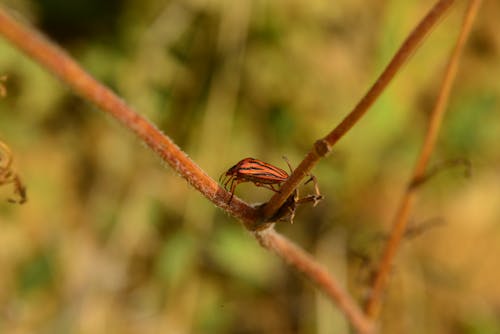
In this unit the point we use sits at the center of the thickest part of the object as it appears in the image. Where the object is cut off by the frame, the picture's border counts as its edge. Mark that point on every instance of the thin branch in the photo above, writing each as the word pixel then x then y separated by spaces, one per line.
pixel 323 146
pixel 408 198
pixel 433 171
pixel 56 61
pixel 59 63
pixel 305 264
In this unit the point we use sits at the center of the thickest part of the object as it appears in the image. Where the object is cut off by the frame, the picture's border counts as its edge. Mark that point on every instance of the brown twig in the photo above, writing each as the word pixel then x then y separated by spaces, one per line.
pixel 60 64
pixel 323 146
pixel 433 171
pixel 304 263
pixel 408 198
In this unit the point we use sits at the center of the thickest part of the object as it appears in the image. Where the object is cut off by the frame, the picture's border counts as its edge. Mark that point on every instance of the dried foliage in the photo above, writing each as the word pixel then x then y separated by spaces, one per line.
pixel 9 176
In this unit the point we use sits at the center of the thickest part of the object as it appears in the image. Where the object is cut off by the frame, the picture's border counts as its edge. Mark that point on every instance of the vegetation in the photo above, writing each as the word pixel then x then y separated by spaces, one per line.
pixel 110 242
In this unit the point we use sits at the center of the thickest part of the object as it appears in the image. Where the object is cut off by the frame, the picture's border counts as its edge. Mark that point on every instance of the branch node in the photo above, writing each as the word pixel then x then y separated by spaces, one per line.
pixel 322 147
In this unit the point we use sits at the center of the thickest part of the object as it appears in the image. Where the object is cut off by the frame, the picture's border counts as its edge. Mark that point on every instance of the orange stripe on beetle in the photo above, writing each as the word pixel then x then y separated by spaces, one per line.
pixel 252 170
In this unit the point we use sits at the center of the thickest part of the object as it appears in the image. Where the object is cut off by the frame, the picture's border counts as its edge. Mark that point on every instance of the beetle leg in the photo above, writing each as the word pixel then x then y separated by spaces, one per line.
pixel 288 163
pixel 228 180
pixel 275 190
pixel 222 177
pixel 292 214
pixel 310 198
pixel 317 195
pixel 235 181
pixel 271 186
pixel 233 187
pixel 267 186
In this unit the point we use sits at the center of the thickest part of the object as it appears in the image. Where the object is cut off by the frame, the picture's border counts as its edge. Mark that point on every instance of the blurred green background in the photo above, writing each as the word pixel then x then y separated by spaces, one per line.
pixel 111 242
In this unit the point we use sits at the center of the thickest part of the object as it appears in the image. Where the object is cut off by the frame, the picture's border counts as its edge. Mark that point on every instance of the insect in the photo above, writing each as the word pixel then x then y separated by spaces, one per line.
pixel 287 211
pixel 266 175
pixel 252 170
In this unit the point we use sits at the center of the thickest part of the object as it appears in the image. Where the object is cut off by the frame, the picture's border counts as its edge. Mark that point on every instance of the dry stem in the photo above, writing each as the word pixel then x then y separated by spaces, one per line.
pixel 304 263
pixel 60 64
pixel 323 146
pixel 408 198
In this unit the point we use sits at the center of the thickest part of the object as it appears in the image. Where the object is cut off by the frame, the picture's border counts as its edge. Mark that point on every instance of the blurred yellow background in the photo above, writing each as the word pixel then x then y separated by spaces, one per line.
pixel 111 242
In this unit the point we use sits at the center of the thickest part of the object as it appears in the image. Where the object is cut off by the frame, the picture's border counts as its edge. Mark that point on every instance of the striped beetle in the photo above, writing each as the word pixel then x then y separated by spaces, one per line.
pixel 252 170
pixel 266 175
